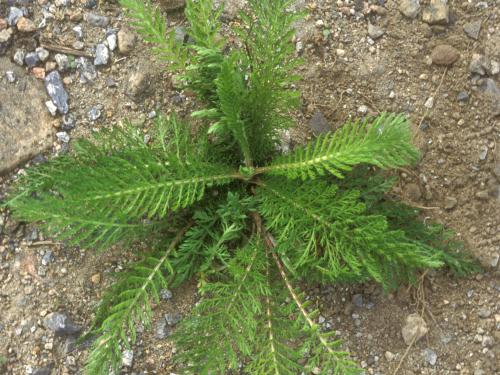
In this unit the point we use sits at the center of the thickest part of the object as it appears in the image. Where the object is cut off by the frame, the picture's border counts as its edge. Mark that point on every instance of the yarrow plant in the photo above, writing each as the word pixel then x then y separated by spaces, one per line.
pixel 220 202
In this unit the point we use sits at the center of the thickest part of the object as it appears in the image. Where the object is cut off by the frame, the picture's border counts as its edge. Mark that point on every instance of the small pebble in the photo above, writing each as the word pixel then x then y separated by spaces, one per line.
pixel 484 313
pixel 112 41
pixel 430 356
pixel 429 103
pixel 444 54
pixel 62 62
pixel 101 55
pixel 19 57
pixel 31 59
pixel 68 122
pixel 94 113
pixel 63 137
pixel 96 20
pixel 127 358
pixel 463 96
pixel 51 107
pixel 10 76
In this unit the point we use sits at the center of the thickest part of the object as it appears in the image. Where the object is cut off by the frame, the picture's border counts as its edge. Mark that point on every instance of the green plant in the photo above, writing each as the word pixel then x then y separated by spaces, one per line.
pixel 219 202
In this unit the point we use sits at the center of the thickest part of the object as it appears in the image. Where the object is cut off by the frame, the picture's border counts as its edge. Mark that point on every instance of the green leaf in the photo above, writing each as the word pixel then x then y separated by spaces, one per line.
pixel 223 324
pixel 149 23
pixel 385 143
pixel 329 236
pixel 126 304
pixel 106 191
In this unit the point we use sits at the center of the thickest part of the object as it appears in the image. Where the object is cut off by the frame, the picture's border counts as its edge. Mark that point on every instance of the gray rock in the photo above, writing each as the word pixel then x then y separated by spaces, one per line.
pixel 10 76
pixel 19 57
pixel 61 325
pixel 69 345
pixel 86 69
pixel 487 342
pixel 112 41
pixel 410 8
pixel 450 203
pixel 63 137
pixel 489 87
pixel 319 124
pixel 437 13
pixel 127 358
pixel 78 44
pixel 414 329
pixel 6 35
pixel 496 169
pixel 483 152
pixel 31 59
pixel 173 318
pixel 375 32
pixel 357 300
pixel 126 41
pixel 430 356
pixel 484 313
pixel 472 29
pixel 25 126
pixel 63 3
pixel 90 4
pixel 56 91
pixel 162 330
pixel 47 258
pixel 94 113
pixel 180 35
pixel 444 54
pixel 101 55
pixel 138 83
pixel 480 64
pixel 42 53
pixel 389 356
pixel 51 107
pixel 14 15
pixel 42 371
pixel 165 294
pixel 463 96
pixel 68 122
pixel 62 61
pixel 78 30
pixel 96 20
pixel 494 260
pixel 363 109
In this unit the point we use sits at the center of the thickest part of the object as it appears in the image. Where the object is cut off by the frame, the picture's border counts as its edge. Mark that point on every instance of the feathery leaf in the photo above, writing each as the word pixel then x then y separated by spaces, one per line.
pixel 385 143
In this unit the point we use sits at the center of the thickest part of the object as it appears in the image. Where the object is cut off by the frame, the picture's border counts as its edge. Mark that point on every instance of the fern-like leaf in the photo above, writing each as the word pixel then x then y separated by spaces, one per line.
pixel 223 324
pixel 204 23
pixel 125 305
pixel 322 350
pixel 385 143
pixel 149 23
pixel 327 235
pixel 105 191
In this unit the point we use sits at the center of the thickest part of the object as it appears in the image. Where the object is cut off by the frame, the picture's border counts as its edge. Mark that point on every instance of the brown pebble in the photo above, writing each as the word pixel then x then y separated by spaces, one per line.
pixel 3 24
pixel 38 72
pixel 450 203
pixel 25 25
pixel 96 279
pixel 444 54
pixel 413 192
pixel 483 195
pixel 76 17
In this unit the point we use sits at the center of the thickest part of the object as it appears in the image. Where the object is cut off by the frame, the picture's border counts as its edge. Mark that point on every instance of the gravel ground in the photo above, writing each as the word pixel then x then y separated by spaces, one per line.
pixel 436 61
